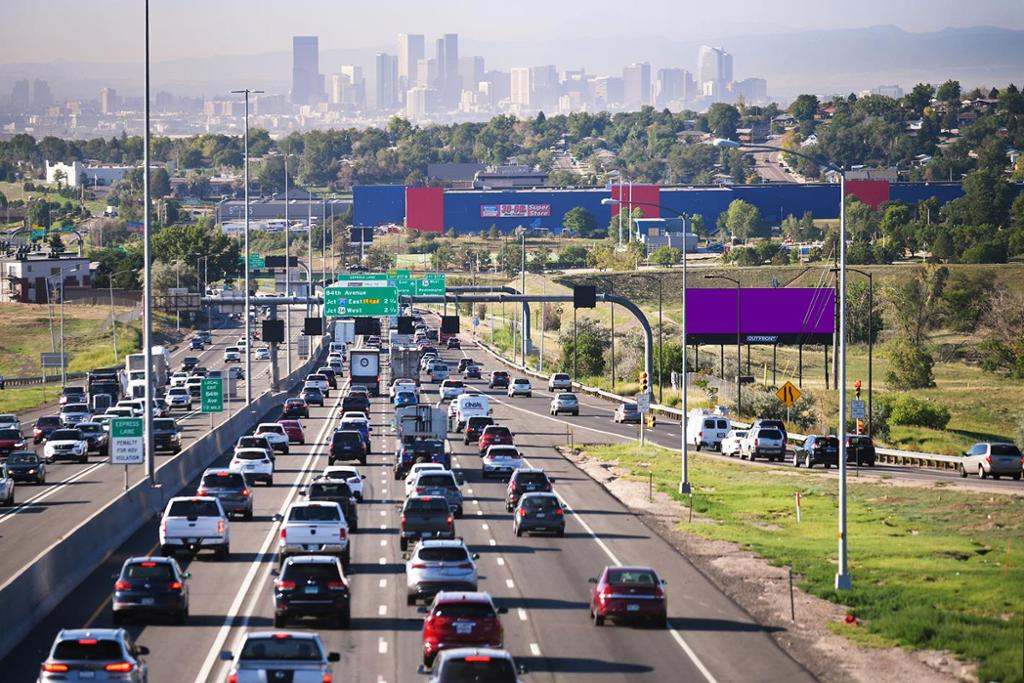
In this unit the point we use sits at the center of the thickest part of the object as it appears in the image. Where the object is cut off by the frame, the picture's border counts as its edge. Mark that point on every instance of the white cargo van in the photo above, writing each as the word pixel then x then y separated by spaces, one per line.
pixel 470 405
pixel 706 430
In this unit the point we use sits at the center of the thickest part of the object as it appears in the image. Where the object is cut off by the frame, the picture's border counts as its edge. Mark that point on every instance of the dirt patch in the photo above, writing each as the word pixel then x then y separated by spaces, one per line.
pixel 762 589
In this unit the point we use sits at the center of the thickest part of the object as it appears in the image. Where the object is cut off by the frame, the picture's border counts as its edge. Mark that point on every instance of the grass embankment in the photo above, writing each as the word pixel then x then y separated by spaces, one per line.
pixel 15 191
pixel 88 341
pixel 932 568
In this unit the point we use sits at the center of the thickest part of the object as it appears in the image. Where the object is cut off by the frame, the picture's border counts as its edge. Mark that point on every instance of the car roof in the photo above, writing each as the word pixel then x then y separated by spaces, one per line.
pixel 312 559
pixel 443 543
pixel 528 470
pixel 538 494
pixel 464 596
pixel 146 558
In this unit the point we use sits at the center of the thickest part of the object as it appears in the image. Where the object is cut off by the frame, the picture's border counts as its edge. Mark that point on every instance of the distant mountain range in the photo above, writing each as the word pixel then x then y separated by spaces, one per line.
pixel 818 61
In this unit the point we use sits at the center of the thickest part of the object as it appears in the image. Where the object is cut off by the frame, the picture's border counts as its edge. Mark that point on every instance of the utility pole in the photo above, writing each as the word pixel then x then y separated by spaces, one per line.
pixel 287 273
pixel 525 332
pixel 147 280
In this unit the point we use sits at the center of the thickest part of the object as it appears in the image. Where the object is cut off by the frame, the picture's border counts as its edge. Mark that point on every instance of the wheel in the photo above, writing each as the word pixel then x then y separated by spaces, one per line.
pixel 42 480
pixel 963 472
pixel 10 499
pixel 285 450
pixel 1016 477
pixel 410 600
pixel 697 448
pixel 280 621
pixel 598 619
pixel 529 395
pixel 403 544
pixel 519 531
pixel 981 473
pixel 458 512
pixel 344 617
pixel 808 462
pixel 118 619
pixel 302 442
pixel 222 553
pixel 248 515
pixel 466 441
pixel 796 461
pixel 181 617
pixel 561 532
pixel 996 476
pixel 576 413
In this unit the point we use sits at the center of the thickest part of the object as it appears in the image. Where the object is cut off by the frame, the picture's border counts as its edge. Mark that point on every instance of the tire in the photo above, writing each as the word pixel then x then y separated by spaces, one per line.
pixel 561 532
pixel 519 531
pixel 796 461
pixel 576 413
pixel 118 619
pixel 181 618
pixel 302 442
pixel 1016 477
pixel 458 512
pixel 83 460
pixel 996 476
pixel 410 600
pixel 248 515
pixel 285 450
pixel 598 619
pixel 981 473
pixel 223 553
pixel 270 481
pixel 963 472
pixel 280 621
pixel 809 463
pixel 344 617
pixel 403 544
pixel 529 395
pixel 698 448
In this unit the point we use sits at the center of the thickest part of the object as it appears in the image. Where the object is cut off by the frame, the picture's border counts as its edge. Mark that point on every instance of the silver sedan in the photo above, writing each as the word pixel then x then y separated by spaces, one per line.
pixel 565 403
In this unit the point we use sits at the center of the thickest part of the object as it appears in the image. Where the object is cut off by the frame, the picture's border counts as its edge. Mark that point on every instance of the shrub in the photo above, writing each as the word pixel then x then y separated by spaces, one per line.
pixel 910 366
pixel 910 410
pixel 802 416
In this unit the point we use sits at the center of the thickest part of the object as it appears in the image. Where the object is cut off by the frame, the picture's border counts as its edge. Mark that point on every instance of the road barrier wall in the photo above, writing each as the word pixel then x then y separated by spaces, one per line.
pixel 28 596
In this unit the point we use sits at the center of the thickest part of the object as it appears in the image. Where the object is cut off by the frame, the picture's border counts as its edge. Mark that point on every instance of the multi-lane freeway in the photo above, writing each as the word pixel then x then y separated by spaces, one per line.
pixel 543 581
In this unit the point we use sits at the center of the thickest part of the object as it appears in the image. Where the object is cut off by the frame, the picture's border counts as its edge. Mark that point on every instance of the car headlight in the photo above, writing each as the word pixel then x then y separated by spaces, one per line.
pixel 32 471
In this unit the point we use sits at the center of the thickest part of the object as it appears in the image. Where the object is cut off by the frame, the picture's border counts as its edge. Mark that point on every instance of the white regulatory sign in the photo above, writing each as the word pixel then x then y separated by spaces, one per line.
pixel 857 410
pixel 643 402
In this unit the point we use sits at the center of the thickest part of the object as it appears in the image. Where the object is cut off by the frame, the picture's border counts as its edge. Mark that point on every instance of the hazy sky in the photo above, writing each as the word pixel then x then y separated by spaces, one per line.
pixel 108 30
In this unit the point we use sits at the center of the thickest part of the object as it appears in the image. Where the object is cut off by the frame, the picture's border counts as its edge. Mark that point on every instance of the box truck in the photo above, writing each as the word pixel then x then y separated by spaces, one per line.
pixel 364 368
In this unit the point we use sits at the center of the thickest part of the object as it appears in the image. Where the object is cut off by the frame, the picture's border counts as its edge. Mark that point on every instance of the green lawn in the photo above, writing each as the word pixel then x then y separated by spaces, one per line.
pixel 932 568
pixel 16 191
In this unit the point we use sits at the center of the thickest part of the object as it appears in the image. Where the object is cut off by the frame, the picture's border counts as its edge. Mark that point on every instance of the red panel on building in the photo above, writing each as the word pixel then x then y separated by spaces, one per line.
pixel 874 193
pixel 424 208
pixel 642 195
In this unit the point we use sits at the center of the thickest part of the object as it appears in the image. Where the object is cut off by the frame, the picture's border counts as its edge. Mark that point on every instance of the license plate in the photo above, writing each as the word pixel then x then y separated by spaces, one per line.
pixel 541 515
pixel 463 629
pixel 148 601
pixel 632 607
pixel 312 590
pixel 87 674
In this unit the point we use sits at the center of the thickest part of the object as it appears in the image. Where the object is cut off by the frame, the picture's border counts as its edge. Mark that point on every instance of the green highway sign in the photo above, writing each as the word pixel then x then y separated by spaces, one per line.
pixel 348 299
pixel 211 392
pixel 38 234
pixel 127 447
pixel 431 285
pixel 67 227
pixel 256 261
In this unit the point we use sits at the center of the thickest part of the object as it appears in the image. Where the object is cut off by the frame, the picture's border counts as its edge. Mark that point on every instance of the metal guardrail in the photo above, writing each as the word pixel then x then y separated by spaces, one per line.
pixel 890 456
pixel 10 382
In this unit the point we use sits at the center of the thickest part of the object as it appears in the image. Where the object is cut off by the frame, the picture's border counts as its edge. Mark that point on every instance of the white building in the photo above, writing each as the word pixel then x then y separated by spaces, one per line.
pixel 521 86
pixel 76 173
pixel 24 280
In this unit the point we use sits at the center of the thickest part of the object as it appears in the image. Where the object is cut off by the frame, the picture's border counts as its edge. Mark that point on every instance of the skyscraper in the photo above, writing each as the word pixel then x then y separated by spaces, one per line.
pixel 307 83
pixel 386 67
pixel 544 87
pixel 673 85
pixel 439 55
pixel 471 72
pixel 521 87
pixel 41 95
pixel 452 85
pixel 357 95
pixel 20 97
pixel 714 65
pixel 108 101
pixel 636 85
pixel 410 52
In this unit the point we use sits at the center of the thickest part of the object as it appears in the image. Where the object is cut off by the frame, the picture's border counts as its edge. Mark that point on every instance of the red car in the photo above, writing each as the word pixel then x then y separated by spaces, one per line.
pixel 628 593
pixel 293 428
pixel 296 407
pixel 460 619
pixel 495 435
pixel 11 440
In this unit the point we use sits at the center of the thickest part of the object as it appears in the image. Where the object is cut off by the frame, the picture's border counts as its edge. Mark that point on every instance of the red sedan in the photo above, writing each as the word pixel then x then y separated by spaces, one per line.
pixel 293 428
pixel 461 619
pixel 628 593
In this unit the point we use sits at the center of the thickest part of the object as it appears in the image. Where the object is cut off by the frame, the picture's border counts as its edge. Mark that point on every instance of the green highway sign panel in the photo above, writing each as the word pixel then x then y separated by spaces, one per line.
pixel 127 446
pixel 371 301
pixel 67 227
pixel 256 261
pixel 211 393
pixel 431 285
pixel 38 233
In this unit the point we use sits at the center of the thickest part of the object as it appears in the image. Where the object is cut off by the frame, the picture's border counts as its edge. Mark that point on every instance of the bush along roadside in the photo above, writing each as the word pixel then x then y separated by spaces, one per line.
pixel 933 568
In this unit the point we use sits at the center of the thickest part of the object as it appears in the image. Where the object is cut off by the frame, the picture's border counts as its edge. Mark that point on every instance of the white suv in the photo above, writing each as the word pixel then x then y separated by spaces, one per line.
pixel 520 386
pixel 275 435
pixel 232 354
pixel 559 382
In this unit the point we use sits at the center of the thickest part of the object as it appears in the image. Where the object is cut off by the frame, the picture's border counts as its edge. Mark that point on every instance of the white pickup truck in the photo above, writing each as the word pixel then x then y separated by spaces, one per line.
pixel 313 528
pixel 195 523
pixel 296 656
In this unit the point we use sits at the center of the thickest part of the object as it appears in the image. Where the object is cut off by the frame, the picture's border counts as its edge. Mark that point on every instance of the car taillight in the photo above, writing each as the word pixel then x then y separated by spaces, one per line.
pixel 419 565
pixel 233 678
pixel 605 593
pixel 284 534
pixel 450 520
pixel 988 458
pixel 421 489
pixel 464 565
pixel 122 585
pixel 220 526
pixel 285 585
pixel 512 486
pixel 756 441
pixel 39 432
pixel 175 585
pixel 120 667
pixel 55 668
pixel 245 493
pixel 343 533
pixel 402 521
pixel 559 512
pixel 700 435
pixel 200 492
pixel 328 678
pixel 522 512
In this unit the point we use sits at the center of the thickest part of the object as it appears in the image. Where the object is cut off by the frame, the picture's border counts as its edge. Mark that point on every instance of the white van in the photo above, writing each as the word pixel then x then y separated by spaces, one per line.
pixel 470 405
pixel 705 430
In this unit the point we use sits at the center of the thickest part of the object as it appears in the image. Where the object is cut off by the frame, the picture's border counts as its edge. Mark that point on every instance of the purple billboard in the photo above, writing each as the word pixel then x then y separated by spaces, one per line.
pixel 767 316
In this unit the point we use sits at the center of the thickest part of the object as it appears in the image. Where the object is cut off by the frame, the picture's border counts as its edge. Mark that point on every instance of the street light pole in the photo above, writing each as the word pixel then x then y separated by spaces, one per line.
pixel 147 286
pixel 248 322
pixel 287 273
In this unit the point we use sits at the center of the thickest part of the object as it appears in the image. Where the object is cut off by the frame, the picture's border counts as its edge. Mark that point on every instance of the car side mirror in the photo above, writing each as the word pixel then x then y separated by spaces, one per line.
pixel 552 480
pixel 422 670
pixel 476 556
pixel 142 649
pixel 333 657
pixel 277 517
pixel 363 476
pixel 503 610
pixel 187 575
pixel 422 610
pixel 591 580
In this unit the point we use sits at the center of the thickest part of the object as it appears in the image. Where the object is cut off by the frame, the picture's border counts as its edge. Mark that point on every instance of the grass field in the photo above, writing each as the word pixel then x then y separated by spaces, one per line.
pixel 15 191
pixel 932 568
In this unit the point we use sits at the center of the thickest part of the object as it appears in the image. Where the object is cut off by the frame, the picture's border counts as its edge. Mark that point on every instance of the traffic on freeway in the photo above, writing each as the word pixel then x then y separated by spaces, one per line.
pixel 496 561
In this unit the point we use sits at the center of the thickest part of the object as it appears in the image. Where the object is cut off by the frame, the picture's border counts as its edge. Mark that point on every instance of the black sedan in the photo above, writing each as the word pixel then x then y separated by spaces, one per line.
pixel 189 363
pixel 96 435
pixel 149 586
pixel 25 466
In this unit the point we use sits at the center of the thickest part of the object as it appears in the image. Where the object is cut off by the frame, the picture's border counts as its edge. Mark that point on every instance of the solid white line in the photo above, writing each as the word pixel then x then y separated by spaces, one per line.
pixel 212 656
pixel 535 649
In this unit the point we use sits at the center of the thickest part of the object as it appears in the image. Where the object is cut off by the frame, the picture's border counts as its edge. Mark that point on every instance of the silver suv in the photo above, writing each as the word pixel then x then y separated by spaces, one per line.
pixel 96 654
pixel 440 483
pixel 439 565
pixel 992 459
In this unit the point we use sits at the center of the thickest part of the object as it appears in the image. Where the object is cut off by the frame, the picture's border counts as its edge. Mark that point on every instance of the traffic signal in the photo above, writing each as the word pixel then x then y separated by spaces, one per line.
pixel 856 388
pixel 643 383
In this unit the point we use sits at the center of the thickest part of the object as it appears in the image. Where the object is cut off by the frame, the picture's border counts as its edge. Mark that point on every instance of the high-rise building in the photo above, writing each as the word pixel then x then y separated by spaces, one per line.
pixel 41 95
pixel 452 85
pixel 751 90
pixel 544 88
pixel 673 85
pixel 339 87
pixel 108 101
pixel 307 83
pixel 713 64
pixel 410 52
pixel 426 73
pixel 499 86
pixel 522 91
pixel 386 67
pixel 471 72
pixel 439 55
pixel 20 96
pixel 357 94
pixel 636 85
pixel 418 102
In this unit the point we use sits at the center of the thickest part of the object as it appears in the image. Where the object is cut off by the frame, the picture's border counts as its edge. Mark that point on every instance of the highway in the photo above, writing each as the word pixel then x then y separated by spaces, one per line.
pixel 541 580
pixel 73 491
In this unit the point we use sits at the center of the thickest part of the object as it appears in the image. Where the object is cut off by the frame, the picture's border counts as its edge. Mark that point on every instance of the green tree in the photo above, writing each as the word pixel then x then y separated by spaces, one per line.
pixel 183 242
pixel 581 222
pixel 723 119
pixel 910 366
pixel 159 183
pixel 510 258
pixel 858 312
pixel 949 92
pixel 966 298
pixel 743 219
pixel 920 97
pixel 987 197
pixel 589 344
pixel 538 259
pixel 572 256
pixel 494 233
pixel 666 256
pixel 915 303
pixel 804 107
pixel 379 259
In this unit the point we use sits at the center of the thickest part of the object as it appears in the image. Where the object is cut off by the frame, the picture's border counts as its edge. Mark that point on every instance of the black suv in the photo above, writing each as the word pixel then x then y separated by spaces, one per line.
pixel 525 481
pixel 860 448
pixel 166 435
pixel 189 363
pixel 817 449
pixel 475 427
pixel 356 403
pixel 498 379
pixel 335 491
pixel 347 445
pixel 312 586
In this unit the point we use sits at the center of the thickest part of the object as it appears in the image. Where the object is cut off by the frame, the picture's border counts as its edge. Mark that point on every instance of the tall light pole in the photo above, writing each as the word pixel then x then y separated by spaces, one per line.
pixel 843 581
pixel 147 282
pixel 525 332
pixel 248 322
pixel 684 464
pixel 287 273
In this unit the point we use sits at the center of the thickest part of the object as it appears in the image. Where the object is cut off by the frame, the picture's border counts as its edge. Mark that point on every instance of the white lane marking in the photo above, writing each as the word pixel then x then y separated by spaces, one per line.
pixel 384 542
pixel 484 527
pixel 382 646
pixel 615 560
pixel 535 649
pixel 382 610
pixel 476 502
pixel 212 656
pixel 383 527
pixel 469 491
pixel 49 491
pixel 492 541
pixel 382 561
pixel 383 583
pixel 383 513
pixel 501 561
pixel 522 614
pixel 480 513
pixel 510 583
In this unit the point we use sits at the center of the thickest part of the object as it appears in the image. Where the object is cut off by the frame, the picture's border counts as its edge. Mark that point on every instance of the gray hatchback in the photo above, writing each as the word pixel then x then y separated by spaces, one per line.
pixel 539 512
pixel 96 655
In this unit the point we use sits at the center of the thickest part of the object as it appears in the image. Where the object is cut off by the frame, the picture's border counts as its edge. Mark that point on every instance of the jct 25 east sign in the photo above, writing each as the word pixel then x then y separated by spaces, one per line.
pixel 514 210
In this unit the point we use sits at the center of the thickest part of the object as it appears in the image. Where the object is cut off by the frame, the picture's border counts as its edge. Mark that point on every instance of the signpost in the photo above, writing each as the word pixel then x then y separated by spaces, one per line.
pixel 643 404
pixel 789 395
pixel 127 446
pixel 256 261
pixel 370 302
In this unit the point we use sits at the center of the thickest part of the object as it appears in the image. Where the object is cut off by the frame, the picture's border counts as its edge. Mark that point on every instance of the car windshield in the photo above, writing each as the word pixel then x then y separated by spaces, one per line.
pixel 567 397
pixel 456 383
pixel 520 381
pixel 464 610
pixel 314 513
pixel 1005 449
pixel 447 554
pixel 444 480
pixel 311 572
pixel 194 508
pixel 66 435
pixel 271 429
pixel 347 437
pixel 287 649
pixel 494 431
pixel 224 480
pixel 630 407
pixel 88 650
pixel 535 503
pixel 632 577
pixel 335 490
pixel 47 421
pixel 478 422
pixel 149 570
pixel 532 478
pixel 178 391
pixel 23 459
pixel 10 434
pixel 76 408
pixel 478 668
pixel 165 425
pixel 353 425
pixel 89 427
pixel 298 402
pixel 503 452
pixel 252 441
